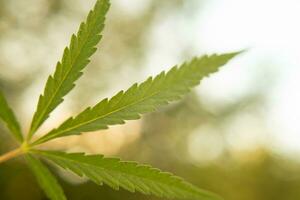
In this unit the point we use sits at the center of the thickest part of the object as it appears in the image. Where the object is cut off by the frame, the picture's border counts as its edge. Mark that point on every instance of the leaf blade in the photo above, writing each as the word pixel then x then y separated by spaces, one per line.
pixel 8 116
pixel 74 60
pixel 140 99
pixel 45 178
pixel 128 175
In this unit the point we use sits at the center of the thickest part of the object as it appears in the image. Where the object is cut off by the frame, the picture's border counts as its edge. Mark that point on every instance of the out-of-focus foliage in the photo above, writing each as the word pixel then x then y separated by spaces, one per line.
pixel 174 139
pixel 45 178
pixel 8 116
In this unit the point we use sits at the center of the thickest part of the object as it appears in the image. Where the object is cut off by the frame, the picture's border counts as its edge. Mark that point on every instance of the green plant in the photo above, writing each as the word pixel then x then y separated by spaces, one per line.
pixel 125 105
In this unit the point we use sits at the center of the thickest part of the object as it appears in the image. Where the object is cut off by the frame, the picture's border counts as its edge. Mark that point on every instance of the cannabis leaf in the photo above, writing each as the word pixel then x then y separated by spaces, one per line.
pixel 7 115
pixel 143 98
pixel 129 105
pixel 128 175
pixel 74 59
pixel 45 178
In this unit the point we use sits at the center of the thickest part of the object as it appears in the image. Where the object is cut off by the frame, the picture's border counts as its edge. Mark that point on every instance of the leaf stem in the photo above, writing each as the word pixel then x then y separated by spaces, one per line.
pixel 11 154
pixel 23 149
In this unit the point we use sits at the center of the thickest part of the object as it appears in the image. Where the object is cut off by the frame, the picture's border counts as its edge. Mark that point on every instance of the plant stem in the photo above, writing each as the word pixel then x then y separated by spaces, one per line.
pixel 11 154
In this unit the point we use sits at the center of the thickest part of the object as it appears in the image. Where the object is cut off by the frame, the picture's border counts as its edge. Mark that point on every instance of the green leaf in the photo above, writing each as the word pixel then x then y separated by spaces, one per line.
pixel 75 58
pixel 140 99
pixel 128 175
pixel 7 115
pixel 45 178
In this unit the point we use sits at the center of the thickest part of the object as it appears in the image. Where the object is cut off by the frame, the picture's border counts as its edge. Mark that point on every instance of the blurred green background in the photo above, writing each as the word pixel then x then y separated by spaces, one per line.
pixel 237 134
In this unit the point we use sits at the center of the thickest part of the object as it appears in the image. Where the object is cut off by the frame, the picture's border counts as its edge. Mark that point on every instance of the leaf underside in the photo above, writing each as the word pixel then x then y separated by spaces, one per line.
pixel 8 116
pixel 128 175
pixel 69 69
pixel 143 98
pixel 45 178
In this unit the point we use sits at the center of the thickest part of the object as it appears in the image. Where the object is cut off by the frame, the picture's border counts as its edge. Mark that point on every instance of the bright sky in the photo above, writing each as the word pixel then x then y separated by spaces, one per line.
pixel 270 28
